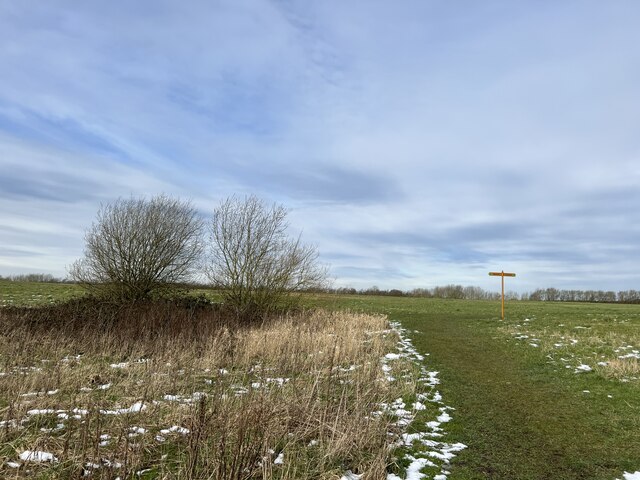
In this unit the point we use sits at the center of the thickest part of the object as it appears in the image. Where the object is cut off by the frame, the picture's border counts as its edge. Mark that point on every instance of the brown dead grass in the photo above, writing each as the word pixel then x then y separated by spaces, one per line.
pixel 622 368
pixel 303 386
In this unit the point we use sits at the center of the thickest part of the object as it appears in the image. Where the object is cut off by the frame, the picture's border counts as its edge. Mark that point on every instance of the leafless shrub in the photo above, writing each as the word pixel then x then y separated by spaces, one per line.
pixel 254 260
pixel 138 247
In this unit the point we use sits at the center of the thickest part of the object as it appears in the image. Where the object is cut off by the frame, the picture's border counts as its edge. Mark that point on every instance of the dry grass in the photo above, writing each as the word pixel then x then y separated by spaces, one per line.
pixel 622 368
pixel 106 382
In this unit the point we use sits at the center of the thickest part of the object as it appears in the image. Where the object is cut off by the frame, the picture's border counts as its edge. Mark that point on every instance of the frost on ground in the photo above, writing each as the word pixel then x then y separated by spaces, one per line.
pixel 421 422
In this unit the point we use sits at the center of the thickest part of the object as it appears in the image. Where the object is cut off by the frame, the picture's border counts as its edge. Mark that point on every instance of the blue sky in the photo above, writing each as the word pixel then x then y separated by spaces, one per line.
pixel 416 143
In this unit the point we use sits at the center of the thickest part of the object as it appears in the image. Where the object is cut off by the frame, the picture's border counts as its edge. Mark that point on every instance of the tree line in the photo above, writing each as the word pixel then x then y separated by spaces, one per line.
pixel 33 277
pixel 477 293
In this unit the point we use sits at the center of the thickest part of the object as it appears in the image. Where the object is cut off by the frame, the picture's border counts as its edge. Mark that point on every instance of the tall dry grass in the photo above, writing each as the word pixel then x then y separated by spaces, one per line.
pixel 165 391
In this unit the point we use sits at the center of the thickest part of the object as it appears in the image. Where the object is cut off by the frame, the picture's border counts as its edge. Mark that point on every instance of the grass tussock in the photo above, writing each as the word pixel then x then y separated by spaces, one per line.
pixel 621 368
pixel 161 390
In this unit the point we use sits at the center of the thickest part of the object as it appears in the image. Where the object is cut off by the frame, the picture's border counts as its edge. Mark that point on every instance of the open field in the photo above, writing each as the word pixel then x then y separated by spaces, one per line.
pixel 526 404
pixel 32 294
pixel 551 392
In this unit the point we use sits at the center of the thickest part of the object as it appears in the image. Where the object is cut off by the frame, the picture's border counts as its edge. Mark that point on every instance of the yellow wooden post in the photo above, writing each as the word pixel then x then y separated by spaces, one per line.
pixel 502 278
pixel 502 274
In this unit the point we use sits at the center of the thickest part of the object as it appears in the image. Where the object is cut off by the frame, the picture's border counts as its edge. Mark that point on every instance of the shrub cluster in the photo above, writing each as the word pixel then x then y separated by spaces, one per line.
pixel 139 249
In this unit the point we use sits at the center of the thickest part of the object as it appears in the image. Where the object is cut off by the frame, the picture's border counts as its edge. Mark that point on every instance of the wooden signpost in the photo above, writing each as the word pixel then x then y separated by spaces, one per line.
pixel 502 274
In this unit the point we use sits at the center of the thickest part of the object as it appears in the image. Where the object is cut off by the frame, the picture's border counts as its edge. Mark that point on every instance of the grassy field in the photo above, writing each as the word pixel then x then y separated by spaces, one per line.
pixel 33 294
pixel 551 392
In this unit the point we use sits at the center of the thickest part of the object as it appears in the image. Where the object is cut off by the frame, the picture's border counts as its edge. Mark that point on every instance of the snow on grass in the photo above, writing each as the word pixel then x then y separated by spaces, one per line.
pixel 426 450
pixel 136 381
pixel 135 408
pixel 631 476
pixel 175 429
pixel 349 475
pixel 38 456
pixel 583 368
pixel 119 365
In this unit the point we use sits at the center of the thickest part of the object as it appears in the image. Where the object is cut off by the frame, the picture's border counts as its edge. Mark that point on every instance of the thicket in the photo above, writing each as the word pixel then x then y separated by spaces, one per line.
pixel 140 249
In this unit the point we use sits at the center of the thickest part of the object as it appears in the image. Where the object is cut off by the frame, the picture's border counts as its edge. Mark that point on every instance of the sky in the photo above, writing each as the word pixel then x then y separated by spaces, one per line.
pixel 415 143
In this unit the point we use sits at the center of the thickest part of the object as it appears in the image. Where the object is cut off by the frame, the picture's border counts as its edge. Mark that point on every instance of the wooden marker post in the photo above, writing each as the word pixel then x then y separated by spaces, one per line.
pixel 502 274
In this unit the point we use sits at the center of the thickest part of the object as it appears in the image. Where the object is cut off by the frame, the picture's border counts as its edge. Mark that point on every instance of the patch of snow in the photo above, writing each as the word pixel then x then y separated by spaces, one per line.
pixel 13 464
pixel 632 476
pixel 43 411
pixel 279 459
pixel 349 475
pixel 175 429
pixel 444 417
pixel 417 406
pixel 37 456
pixel 417 464
pixel 634 354
pixel 135 408
pixel 583 368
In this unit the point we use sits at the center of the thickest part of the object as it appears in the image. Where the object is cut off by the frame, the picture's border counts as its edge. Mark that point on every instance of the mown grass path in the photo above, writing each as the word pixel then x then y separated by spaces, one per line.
pixel 521 416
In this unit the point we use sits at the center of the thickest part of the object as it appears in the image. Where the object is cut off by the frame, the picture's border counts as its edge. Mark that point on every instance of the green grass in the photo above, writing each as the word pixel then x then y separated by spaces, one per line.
pixel 521 412
pixel 33 294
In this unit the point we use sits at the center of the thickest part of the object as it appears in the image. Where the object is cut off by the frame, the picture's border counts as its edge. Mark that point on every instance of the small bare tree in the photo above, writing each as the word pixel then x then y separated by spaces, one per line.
pixel 138 247
pixel 254 261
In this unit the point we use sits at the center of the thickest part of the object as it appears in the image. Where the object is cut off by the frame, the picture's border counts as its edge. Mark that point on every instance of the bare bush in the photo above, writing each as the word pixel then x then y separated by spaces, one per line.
pixel 138 247
pixel 254 260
